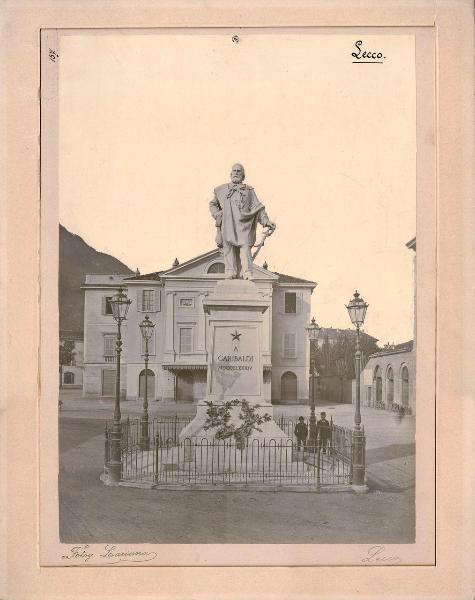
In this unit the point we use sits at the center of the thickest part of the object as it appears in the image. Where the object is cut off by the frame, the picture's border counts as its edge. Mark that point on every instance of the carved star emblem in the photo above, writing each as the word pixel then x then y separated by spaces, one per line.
pixel 236 336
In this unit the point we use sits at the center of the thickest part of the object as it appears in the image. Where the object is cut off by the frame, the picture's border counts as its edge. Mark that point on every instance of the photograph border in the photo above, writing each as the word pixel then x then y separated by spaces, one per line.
pixel 452 577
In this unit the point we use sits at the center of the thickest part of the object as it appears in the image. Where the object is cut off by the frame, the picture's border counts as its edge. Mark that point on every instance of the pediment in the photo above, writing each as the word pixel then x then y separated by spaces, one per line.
pixel 199 267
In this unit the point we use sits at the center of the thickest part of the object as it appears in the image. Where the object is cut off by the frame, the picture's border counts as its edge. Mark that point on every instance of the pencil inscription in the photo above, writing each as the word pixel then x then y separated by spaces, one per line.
pixel 376 555
pixel 53 55
pixel 110 554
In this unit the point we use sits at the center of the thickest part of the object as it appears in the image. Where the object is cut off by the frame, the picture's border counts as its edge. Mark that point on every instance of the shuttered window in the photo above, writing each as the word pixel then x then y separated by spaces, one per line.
pixel 290 350
pixel 108 382
pixel 186 339
pixel 148 300
pixel 109 345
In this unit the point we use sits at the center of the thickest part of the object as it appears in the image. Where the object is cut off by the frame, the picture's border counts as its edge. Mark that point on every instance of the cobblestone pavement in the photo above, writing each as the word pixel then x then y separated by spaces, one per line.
pixel 91 512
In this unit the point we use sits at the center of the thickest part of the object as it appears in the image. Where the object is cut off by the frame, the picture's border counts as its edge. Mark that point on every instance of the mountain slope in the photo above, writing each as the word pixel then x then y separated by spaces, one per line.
pixel 76 258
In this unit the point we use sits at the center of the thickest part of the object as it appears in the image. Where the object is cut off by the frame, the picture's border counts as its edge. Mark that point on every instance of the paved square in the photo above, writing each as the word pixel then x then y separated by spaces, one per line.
pixel 93 513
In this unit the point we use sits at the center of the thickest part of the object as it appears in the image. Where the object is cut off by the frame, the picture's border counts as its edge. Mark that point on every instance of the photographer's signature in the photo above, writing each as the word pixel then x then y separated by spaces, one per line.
pixel 109 555
pixel 377 555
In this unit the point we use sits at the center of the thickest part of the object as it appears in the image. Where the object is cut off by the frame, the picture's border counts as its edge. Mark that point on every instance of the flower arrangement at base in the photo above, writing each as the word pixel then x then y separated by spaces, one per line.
pixel 219 418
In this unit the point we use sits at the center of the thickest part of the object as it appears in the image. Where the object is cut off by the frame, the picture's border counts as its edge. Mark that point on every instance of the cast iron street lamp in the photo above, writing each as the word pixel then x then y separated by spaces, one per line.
pixel 313 331
pixel 120 305
pixel 357 308
pixel 146 329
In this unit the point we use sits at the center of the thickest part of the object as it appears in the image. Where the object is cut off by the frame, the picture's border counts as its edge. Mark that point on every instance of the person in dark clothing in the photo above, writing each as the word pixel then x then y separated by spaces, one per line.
pixel 323 432
pixel 301 432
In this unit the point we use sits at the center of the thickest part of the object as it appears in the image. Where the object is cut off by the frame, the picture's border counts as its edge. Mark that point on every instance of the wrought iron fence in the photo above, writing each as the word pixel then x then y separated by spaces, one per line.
pixel 167 428
pixel 274 462
pixel 262 462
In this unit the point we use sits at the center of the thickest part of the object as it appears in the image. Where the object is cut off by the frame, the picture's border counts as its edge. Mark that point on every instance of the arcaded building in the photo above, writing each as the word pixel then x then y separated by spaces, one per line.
pixel 389 376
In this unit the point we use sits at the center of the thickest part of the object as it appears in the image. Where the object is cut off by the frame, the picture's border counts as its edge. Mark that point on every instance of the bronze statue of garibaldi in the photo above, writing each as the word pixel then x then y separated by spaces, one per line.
pixel 237 211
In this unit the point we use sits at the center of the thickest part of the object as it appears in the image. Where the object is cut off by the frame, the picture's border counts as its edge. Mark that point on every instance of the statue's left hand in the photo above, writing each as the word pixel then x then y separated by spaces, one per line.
pixel 271 226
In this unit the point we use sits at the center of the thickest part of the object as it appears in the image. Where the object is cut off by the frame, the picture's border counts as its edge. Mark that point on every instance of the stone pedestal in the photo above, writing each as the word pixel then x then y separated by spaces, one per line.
pixel 235 356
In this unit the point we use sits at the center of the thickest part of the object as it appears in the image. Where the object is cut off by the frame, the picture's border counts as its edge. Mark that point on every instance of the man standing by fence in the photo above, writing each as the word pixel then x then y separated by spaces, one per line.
pixel 301 432
pixel 323 432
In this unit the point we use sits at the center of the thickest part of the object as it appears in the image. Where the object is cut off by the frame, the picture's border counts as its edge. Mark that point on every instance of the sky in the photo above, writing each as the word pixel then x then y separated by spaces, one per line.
pixel 150 123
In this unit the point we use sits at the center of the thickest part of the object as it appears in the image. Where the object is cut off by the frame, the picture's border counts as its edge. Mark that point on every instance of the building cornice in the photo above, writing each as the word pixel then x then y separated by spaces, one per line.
pixel 102 286
pixel 140 282
pixel 311 285
pixel 125 284
pixel 390 352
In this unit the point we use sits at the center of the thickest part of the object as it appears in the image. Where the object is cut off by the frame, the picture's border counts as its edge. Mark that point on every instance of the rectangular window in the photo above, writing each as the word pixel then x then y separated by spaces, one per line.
pixel 186 340
pixel 290 350
pixel 148 300
pixel 109 346
pixel 290 303
pixel 106 305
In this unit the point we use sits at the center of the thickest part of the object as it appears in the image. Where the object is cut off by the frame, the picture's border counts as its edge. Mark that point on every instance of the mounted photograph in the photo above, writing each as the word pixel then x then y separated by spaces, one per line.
pixel 245 328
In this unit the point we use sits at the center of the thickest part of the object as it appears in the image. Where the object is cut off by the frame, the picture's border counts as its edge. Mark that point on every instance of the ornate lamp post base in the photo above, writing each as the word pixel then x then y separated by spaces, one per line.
pixel 106 480
pixel 144 438
pixel 115 461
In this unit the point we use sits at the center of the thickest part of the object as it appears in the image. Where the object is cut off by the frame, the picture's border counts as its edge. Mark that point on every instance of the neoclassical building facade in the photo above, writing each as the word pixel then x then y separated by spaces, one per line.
pixel 173 300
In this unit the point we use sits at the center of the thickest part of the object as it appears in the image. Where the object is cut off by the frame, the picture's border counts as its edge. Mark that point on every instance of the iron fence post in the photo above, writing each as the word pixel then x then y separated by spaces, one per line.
pixel 318 466
pixel 155 475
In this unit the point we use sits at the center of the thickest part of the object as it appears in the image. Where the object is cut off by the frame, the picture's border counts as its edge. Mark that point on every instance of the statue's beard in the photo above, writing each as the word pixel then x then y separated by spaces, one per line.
pixel 237 179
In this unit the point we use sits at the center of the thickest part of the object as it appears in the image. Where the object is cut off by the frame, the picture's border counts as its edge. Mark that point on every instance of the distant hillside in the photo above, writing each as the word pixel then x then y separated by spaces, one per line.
pixel 76 259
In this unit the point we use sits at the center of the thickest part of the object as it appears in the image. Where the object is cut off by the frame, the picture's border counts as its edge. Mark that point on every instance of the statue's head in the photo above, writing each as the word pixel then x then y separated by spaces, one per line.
pixel 237 173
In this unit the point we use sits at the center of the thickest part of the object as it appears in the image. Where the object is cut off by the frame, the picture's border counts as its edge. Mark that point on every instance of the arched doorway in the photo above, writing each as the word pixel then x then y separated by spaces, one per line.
pixel 405 386
pixel 68 378
pixel 184 387
pixel 389 386
pixel 378 387
pixel 150 384
pixel 288 387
